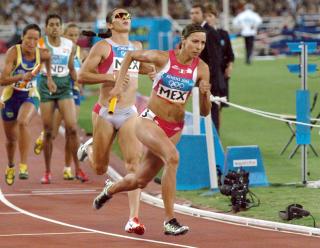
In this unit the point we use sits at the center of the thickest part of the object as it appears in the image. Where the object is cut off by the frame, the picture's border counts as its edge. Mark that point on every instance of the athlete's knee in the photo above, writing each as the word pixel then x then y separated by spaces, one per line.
pixel 71 131
pixel 99 168
pixel 22 123
pixel 47 133
pixel 173 158
pixel 11 141
pixel 141 183
pixel 132 165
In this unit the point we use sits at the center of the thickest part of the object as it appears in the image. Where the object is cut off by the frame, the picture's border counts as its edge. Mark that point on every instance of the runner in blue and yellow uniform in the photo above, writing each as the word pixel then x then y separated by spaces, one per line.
pixel 20 96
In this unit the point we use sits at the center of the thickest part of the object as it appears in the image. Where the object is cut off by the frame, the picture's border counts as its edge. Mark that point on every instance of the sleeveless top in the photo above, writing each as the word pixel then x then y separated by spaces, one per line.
pixel 23 66
pixel 59 56
pixel 113 62
pixel 77 59
pixel 175 81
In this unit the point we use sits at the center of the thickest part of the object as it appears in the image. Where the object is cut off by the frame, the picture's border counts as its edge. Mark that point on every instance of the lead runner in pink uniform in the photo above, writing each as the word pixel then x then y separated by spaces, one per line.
pixel 160 125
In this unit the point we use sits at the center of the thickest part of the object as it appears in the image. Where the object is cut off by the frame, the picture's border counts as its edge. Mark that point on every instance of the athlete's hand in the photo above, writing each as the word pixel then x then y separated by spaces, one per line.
pixel 152 74
pixel 51 85
pixel 228 70
pixel 204 87
pixel 27 77
pixel 115 92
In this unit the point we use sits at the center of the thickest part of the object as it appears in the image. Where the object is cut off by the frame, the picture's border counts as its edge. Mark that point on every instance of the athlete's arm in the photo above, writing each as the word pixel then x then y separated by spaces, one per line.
pixel 204 88
pixel 72 71
pixel 145 68
pixel 46 59
pixel 9 65
pixel 88 73
pixel 156 57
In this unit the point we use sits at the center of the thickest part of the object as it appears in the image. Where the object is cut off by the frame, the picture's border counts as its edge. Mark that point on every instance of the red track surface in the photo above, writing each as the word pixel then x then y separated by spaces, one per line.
pixel 20 230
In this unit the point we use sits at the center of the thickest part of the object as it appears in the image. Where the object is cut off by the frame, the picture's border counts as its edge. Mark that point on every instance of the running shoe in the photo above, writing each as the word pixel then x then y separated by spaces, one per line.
pixel 134 226
pixel 82 153
pixel 46 179
pixel 38 145
pixel 9 175
pixel 103 197
pixel 67 174
pixel 172 227
pixel 23 171
pixel 80 175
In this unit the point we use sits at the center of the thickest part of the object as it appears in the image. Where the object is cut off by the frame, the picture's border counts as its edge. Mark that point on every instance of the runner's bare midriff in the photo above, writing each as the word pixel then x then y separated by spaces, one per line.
pixel 171 112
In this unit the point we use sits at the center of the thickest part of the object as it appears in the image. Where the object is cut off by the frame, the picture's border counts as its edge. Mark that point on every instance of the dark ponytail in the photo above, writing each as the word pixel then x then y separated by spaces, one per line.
pixel 90 33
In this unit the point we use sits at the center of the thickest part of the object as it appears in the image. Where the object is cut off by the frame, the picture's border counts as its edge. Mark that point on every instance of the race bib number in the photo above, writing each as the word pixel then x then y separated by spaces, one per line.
pixel 134 66
pixel 22 85
pixel 172 95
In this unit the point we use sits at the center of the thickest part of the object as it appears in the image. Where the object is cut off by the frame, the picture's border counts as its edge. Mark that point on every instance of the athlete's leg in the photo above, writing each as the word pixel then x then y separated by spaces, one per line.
pixel 131 149
pixel 164 150
pixel 168 180
pixel 68 153
pixel 103 136
pixel 47 109
pixel 26 112
pixel 57 119
pixel 150 166
pixel 11 132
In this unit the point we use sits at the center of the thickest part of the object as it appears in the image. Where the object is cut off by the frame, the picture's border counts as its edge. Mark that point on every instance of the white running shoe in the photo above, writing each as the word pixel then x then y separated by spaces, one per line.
pixel 173 227
pixel 134 226
pixel 82 152
pixel 103 197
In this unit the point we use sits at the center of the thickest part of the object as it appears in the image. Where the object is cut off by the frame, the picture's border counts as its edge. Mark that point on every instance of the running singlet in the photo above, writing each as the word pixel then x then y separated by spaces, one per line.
pixel 113 62
pixel 23 66
pixel 77 60
pixel 59 56
pixel 175 81
pixel 77 66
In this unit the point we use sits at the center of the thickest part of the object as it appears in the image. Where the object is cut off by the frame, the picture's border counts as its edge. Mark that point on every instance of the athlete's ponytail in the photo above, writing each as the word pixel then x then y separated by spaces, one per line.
pixel 90 33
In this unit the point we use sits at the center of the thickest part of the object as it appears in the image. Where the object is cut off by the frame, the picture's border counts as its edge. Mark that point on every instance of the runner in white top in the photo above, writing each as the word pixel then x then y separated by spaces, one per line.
pixel 101 66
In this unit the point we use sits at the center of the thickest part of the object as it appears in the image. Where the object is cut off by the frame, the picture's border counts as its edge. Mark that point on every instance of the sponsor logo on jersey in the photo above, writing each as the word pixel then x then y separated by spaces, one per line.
pixel 182 71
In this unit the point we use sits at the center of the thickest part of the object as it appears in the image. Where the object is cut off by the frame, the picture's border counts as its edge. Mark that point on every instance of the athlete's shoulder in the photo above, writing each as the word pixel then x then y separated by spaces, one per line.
pixel 101 46
pixel 12 51
pixel 202 66
pixel 66 41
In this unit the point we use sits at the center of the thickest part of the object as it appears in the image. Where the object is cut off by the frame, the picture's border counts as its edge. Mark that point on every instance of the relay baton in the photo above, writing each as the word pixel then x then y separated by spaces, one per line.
pixel 112 105
pixel 34 72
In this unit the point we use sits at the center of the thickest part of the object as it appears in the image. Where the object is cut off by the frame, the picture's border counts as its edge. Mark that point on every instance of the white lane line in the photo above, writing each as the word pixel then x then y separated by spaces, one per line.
pixel 64 191
pixel 10 205
pixel 10 213
pixel 50 193
pixel 43 234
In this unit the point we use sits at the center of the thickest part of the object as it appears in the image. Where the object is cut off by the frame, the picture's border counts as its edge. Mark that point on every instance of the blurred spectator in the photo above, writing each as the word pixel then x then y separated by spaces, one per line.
pixel 88 10
pixel 212 56
pixel 248 21
pixel 212 16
